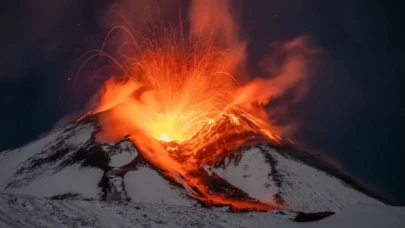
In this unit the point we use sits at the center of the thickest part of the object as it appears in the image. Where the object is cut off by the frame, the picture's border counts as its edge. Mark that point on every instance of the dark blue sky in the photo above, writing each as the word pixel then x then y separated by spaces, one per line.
pixel 354 111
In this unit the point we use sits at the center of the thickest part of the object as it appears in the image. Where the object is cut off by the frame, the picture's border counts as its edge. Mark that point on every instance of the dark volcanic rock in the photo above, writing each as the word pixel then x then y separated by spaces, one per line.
pixel 312 217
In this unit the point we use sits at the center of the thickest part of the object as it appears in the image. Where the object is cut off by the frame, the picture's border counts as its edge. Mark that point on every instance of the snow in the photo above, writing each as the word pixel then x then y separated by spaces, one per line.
pixel 303 187
pixel 321 191
pixel 146 185
pixel 43 180
pixel 28 211
pixel 251 176
pixel 126 154
pixel 11 159
pixel 72 179
pixel 81 135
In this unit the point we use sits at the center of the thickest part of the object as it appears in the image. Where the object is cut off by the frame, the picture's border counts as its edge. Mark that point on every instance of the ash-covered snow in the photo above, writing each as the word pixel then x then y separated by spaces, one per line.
pixel 125 155
pixel 267 175
pixel 20 167
pixel 32 169
pixel 28 211
pixel 72 179
pixel 250 174
pixel 146 185
pixel 321 191
pixel 11 159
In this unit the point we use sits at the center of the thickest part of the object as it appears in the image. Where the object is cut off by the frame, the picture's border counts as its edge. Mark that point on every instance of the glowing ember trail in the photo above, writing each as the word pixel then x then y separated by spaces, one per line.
pixel 180 104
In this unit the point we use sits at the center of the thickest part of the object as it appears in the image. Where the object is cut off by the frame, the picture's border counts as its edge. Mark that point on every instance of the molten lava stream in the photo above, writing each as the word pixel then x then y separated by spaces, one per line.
pixel 215 199
pixel 185 168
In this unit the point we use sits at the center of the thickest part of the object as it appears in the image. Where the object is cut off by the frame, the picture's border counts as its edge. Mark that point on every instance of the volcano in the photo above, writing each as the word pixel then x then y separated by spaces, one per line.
pixel 260 175
pixel 180 133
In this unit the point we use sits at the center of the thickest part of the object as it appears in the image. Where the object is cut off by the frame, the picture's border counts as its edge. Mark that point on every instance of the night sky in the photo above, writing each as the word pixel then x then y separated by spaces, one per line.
pixel 353 112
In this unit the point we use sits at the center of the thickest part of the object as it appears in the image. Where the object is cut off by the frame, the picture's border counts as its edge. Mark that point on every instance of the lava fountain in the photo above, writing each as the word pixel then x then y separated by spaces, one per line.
pixel 180 102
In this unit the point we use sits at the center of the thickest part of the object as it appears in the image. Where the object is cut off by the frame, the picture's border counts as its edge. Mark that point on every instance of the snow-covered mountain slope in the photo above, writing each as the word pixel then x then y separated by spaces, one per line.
pixel 19 211
pixel 277 177
pixel 43 168
pixel 71 164
pixel 27 211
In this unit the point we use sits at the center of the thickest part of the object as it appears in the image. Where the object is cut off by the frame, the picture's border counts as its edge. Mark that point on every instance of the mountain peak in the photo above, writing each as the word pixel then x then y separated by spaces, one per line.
pixel 256 176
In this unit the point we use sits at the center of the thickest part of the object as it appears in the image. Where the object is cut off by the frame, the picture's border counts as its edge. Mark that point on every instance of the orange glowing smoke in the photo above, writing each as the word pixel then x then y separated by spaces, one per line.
pixel 174 87
pixel 178 86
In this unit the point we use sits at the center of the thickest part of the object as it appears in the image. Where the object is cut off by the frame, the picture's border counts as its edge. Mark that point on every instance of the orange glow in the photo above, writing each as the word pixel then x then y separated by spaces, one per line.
pixel 184 88
pixel 165 138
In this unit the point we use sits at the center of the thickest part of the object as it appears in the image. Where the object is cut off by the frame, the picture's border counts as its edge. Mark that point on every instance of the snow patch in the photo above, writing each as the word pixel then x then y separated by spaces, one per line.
pixel 251 175
pixel 72 179
pixel 126 155
pixel 308 189
pixel 146 185
pixel 28 211
pixel 81 135
pixel 10 160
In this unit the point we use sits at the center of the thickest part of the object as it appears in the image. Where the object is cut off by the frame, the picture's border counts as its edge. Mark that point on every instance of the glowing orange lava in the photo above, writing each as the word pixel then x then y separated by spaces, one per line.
pixel 180 87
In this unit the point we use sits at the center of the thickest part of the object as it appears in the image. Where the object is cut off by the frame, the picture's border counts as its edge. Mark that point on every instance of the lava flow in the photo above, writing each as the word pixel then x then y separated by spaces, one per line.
pixel 184 89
